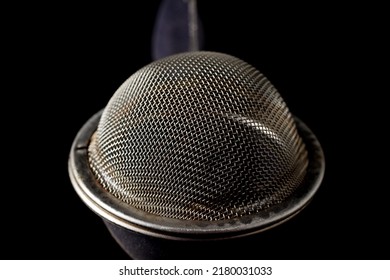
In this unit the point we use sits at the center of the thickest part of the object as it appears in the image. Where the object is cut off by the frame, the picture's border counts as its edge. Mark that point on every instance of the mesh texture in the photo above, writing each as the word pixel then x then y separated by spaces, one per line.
pixel 198 136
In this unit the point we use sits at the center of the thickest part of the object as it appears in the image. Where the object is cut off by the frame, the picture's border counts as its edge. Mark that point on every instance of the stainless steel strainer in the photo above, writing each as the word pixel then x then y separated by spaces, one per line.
pixel 196 144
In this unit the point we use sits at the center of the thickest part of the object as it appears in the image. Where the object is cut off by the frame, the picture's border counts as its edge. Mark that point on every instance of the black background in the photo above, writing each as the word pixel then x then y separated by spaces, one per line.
pixel 64 62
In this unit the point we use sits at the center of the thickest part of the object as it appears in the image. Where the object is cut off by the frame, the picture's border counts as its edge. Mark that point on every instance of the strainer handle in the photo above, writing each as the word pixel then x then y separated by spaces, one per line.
pixel 176 29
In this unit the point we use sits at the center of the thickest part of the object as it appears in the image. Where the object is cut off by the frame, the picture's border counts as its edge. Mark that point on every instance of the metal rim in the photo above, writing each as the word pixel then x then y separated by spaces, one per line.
pixel 112 209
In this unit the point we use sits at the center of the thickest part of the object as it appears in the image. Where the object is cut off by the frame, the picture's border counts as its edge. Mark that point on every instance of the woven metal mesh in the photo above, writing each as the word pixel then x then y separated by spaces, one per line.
pixel 198 136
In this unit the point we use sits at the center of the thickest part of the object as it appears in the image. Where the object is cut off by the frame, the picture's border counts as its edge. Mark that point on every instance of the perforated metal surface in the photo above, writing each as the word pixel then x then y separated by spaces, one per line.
pixel 198 136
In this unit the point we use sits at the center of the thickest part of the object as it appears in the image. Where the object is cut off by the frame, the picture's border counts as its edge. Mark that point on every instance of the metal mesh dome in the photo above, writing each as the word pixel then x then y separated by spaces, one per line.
pixel 198 136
